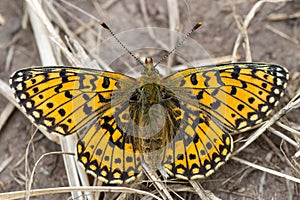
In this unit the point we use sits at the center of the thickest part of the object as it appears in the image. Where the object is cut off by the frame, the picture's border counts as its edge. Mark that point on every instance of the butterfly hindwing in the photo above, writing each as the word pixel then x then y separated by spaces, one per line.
pixel 108 151
pixel 200 146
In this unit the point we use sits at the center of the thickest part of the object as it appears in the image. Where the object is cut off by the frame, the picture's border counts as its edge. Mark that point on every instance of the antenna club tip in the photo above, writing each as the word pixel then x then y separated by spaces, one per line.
pixel 198 25
pixel 102 23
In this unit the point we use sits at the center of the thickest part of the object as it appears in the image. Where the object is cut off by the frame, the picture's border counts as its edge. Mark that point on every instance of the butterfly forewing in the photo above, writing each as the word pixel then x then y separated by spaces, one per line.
pixel 239 95
pixel 64 99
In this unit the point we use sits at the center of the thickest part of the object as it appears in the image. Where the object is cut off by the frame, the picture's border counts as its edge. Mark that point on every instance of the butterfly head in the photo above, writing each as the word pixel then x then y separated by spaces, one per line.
pixel 150 69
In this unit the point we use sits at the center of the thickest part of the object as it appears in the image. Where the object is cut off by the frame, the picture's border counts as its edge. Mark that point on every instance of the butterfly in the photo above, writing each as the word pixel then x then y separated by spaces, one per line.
pixel 180 124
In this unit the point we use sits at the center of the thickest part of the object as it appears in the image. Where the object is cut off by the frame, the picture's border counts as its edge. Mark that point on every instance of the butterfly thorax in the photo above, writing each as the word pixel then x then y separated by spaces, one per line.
pixel 147 110
pixel 150 107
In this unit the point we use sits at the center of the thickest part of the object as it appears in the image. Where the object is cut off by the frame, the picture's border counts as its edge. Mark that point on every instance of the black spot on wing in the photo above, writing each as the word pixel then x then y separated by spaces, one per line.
pixel 58 88
pixel 194 79
pixel 233 90
pixel 68 94
pixel 200 95
pixel 35 90
pixel 236 72
pixel 244 84
pixel 49 105
pixel 206 79
pixel 102 99
pixel 240 107
pixel 64 77
pixel 62 112
pixel 264 85
pixel 106 82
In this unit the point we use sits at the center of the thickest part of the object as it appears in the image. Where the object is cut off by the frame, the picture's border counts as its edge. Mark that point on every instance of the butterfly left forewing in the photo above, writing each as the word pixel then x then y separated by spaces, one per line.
pixel 64 99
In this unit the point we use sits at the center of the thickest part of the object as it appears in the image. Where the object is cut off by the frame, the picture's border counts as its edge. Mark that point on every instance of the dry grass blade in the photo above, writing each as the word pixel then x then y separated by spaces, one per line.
pixel 174 22
pixel 150 30
pixel 281 34
pixel 9 108
pixel 203 194
pixel 267 170
pixel 9 57
pixel 283 136
pixel 59 190
pixel 290 129
pixel 157 182
pixel 257 6
pixel 244 33
pixel 42 26
pixel 73 36
pixel 28 191
pixel 6 162
pixel 283 16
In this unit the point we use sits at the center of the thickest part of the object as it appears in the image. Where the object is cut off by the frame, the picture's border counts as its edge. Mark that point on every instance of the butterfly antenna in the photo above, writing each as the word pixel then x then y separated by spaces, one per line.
pixel 104 25
pixel 180 43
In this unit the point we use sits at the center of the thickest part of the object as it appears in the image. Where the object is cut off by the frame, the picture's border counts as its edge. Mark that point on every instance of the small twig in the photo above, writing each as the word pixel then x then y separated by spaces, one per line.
pixel 283 136
pixel 203 194
pixel 283 16
pixel 59 190
pixel 270 171
pixel 108 4
pixel 174 22
pixel 28 190
pixel 281 34
pixel 9 57
pixel 5 162
pixel 8 109
pixel 273 146
pixel 257 6
pixel 148 25
pixel 245 36
pixel 294 165
pixel 157 182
